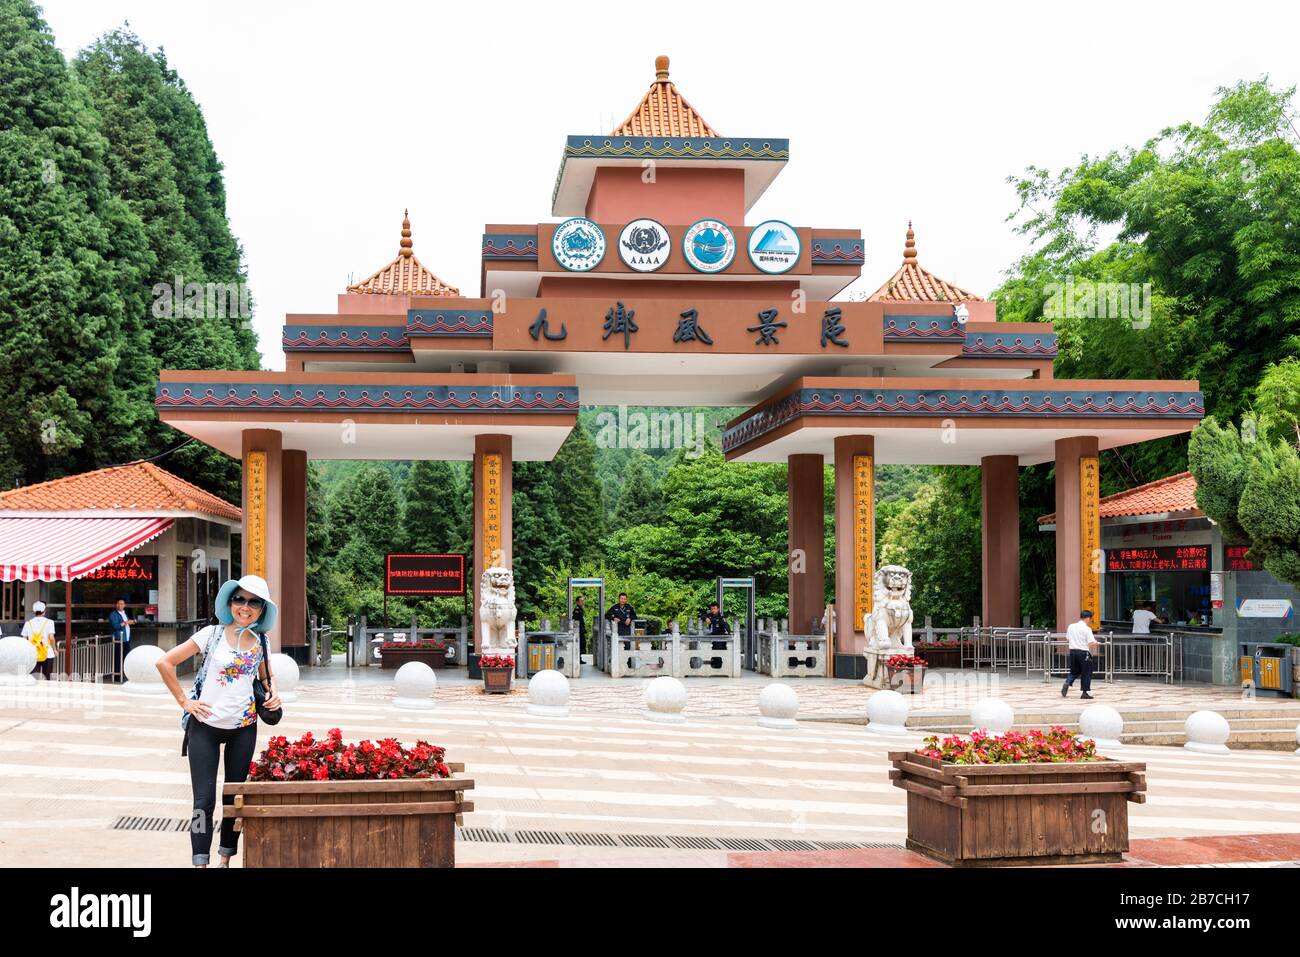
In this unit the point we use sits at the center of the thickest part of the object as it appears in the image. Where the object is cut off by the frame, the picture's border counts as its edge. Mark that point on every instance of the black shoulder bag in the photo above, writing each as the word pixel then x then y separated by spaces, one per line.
pixel 262 691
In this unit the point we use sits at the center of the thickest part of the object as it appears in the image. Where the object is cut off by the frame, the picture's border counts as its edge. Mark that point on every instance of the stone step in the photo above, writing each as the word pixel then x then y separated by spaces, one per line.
pixel 1145 727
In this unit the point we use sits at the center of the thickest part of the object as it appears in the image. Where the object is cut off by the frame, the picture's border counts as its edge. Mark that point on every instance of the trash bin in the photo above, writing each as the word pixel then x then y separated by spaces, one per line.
pixel 1267 669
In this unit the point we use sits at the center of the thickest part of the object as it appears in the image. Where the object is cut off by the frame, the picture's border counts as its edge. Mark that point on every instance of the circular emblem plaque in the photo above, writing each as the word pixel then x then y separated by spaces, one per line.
pixel 774 246
pixel 578 244
pixel 709 245
pixel 644 245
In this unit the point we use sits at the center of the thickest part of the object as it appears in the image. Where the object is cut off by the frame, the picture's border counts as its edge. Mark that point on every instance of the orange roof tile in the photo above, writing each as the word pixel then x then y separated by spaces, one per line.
pixel 405 275
pixel 913 284
pixel 664 112
pixel 140 487
pixel 1175 493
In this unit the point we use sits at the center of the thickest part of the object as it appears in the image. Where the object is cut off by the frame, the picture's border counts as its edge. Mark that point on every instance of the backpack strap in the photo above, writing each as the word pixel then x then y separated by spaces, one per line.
pixel 203 668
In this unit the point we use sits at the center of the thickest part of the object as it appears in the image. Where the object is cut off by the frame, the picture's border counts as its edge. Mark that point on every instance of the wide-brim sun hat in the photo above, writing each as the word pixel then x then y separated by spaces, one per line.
pixel 254 585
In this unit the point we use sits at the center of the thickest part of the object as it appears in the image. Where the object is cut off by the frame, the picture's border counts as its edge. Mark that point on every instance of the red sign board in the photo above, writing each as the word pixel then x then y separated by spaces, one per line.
pixel 1167 558
pixel 128 568
pixel 1237 558
pixel 424 574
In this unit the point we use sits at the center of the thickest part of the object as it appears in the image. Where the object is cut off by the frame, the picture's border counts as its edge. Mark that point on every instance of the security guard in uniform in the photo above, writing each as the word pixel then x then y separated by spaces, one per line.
pixel 715 624
pixel 623 615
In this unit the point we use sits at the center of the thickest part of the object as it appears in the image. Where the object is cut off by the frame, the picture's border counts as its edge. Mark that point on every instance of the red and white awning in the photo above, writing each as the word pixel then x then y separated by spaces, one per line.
pixel 64 549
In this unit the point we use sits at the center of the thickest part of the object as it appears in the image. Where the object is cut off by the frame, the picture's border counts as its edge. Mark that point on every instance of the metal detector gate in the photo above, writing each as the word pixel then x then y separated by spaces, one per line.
pixel 597 625
pixel 748 633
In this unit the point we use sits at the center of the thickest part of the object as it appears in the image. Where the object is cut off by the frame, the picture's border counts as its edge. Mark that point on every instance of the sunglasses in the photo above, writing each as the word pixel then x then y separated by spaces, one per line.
pixel 251 602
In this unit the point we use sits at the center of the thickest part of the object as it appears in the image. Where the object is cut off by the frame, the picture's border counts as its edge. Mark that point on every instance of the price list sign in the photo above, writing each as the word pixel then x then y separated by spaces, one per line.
pixel 1169 558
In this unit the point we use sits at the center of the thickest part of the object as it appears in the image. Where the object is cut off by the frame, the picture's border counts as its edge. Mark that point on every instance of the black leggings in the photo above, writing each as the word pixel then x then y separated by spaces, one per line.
pixel 46 668
pixel 205 744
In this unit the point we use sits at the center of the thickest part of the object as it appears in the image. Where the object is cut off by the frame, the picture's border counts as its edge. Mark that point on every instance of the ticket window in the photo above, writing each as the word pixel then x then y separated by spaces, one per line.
pixel 1180 596
pixel 1124 590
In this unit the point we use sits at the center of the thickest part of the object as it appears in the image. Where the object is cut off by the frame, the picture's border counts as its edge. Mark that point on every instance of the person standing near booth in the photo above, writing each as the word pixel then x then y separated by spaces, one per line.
pixel 622 615
pixel 715 624
pixel 580 618
pixel 39 630
pixel 120 624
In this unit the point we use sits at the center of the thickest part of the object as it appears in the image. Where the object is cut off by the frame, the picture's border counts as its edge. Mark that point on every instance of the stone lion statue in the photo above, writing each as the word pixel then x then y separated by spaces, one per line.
pixel 889 626
pixel 496 612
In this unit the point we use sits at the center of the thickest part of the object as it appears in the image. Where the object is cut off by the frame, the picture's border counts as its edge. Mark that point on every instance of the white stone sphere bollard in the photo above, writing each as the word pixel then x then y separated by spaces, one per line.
pixel 17 659
pixel 887 713
pixel 665 697
pixel 286 673
pixel 992 715
pixel 1207 732
pixel 548 694
pixel 141 670
pixel 415 683
pixel 1103 724
pixel 777 706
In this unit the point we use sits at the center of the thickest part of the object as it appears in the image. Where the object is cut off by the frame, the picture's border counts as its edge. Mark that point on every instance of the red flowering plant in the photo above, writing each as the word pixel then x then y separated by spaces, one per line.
pixel 309 759
pixel 902 662
pixel 1057 746
pixel 496 661
pixel 422 644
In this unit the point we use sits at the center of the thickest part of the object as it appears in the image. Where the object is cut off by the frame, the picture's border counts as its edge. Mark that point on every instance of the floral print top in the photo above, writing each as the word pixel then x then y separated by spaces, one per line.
pixel 228 679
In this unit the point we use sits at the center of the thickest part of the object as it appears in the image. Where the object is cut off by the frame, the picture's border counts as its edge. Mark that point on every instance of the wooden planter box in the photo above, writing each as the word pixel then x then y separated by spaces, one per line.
pixel 1013 814
pixel 946 656
pixel 395 658
pixel 498 680
pixel 407 823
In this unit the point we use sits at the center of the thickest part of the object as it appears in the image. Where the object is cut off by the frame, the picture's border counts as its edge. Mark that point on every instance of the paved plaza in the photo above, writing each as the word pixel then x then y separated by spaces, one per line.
pixel 716 790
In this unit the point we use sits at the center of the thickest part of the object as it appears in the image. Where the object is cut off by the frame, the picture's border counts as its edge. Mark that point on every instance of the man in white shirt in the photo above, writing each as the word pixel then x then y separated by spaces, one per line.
pixel 1080 638
pixel 1142 619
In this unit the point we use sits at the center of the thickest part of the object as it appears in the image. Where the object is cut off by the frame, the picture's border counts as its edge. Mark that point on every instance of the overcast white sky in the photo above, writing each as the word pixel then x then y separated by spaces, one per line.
pixel 331 118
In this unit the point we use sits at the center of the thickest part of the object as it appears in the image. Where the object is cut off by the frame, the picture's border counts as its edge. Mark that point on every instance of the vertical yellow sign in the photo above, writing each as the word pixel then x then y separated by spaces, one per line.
pixel 864 529
pixel 255 520
pixel 1090 537
pixel 493 554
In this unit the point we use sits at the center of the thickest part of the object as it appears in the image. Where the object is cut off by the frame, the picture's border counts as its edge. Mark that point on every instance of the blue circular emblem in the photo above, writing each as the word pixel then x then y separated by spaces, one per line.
pixel 578 244
pixel 709 245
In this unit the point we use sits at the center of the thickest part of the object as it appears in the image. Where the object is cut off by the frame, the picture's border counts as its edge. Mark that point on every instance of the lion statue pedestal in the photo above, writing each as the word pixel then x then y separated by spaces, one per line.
pixel 889 626
pixel 496 612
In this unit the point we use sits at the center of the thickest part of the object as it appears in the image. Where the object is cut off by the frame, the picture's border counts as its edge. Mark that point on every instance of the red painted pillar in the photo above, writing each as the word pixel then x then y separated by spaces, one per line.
pixel 493 516
pixel 1077 527
pixel 292 630
pixel 1000 526
pixel 855 545
pixel 807 559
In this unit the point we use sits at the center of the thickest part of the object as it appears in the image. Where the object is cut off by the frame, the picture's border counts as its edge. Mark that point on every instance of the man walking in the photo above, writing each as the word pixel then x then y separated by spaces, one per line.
pixel 1081 643
pixel 39 630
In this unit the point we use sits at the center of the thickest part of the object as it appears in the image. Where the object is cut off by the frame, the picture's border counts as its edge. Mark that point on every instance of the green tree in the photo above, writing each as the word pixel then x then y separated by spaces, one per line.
pixel 578 496
pixel 73 258
pixel 641 501
pixel 431 520
pixel 365 524
pixel 935 536
pixel 539 536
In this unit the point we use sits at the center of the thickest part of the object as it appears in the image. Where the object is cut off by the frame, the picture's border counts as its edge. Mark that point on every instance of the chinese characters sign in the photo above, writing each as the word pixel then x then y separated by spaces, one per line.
pixel 1165 558
pixel 128 568
pixel 1237 558
pixel 492 493
pixel 864 546
pixel 256 515
pixel 424 574
pixel 1090 536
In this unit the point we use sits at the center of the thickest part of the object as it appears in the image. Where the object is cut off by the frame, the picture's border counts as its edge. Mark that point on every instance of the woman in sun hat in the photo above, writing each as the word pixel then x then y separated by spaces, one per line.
pixel 222 709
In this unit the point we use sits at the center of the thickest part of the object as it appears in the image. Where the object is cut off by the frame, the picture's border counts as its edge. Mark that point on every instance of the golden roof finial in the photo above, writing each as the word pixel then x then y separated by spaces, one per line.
pixel 909 247
pixel 661 69
pixel 406 234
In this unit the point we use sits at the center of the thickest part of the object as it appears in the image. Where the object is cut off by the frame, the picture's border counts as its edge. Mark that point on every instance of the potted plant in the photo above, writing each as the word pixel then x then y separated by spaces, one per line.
pixel 906 673
pixel 498 673
pixel 323 803
pixel 432 651
pixel 1030 797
